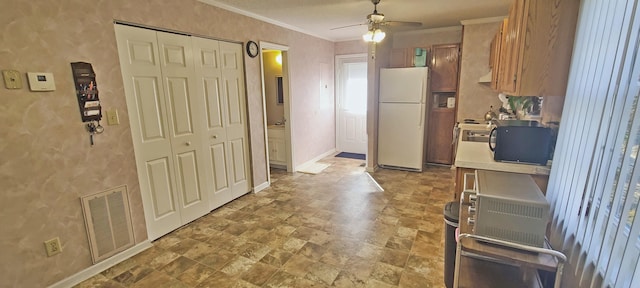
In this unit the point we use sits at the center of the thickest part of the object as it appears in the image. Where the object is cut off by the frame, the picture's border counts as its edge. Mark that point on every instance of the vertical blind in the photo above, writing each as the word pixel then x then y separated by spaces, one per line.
pixel 594 185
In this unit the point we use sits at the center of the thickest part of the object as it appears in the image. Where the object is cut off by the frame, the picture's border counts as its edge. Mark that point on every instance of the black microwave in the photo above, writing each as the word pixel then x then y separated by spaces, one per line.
pixel 521 141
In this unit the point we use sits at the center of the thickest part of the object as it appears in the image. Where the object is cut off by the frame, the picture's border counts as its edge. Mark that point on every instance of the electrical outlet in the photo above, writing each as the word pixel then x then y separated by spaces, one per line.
pixel 52 246
pixel 12 79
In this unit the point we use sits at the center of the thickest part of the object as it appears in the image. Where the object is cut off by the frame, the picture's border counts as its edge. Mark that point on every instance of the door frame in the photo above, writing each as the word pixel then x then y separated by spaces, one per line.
pixel 340 60
pixel 288 127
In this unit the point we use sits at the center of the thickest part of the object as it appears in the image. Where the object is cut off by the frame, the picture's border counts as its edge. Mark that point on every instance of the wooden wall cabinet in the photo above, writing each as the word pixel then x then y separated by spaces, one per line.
pixel 536 46
pixel 495 53
pixel 409 57
pixel 444 68
pixel 399 58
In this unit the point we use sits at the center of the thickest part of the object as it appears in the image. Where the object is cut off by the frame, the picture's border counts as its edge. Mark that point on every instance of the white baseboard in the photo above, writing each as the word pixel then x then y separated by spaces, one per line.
pixel 314 160
pixel 261 187
pixel 101 266
pixel 371 169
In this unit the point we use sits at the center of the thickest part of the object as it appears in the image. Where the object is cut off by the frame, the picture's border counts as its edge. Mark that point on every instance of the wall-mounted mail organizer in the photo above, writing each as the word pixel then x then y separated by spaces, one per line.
pixel 87 93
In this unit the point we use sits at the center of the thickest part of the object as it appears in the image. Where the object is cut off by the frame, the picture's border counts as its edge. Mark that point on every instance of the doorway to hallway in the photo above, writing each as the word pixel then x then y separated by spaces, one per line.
pixel 277 106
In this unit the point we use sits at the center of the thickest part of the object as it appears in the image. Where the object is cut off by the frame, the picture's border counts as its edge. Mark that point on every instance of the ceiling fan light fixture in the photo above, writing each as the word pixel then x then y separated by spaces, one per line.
pixel 375 36
pixel 376 18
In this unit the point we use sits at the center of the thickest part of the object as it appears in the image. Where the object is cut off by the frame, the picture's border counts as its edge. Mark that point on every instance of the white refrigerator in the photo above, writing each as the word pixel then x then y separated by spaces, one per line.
pixel 401 117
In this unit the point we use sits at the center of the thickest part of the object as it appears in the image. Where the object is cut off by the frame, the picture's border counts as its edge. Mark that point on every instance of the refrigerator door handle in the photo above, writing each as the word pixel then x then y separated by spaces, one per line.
pixel 423 103
pixel 421 116
pixel 424 91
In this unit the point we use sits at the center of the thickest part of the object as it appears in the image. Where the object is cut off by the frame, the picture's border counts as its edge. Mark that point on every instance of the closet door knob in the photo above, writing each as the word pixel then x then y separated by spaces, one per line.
pixel 188 143
pixel 214 136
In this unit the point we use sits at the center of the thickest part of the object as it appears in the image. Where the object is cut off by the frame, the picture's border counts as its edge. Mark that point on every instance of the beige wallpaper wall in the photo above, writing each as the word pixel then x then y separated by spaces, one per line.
pixel 474 99
pixel 46 160
pixel 351 47
pixel 427 37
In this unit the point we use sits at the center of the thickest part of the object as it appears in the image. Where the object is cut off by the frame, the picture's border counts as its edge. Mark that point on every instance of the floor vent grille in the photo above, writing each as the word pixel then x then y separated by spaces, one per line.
pixel 108 221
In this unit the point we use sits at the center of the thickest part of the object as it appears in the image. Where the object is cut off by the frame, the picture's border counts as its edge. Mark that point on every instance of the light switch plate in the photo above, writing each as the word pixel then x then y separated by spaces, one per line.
pixel 112 117
pixel 12 79
pixel 41 81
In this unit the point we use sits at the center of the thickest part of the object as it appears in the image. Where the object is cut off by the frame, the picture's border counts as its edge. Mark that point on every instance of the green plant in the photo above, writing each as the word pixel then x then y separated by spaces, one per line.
pixel 522 103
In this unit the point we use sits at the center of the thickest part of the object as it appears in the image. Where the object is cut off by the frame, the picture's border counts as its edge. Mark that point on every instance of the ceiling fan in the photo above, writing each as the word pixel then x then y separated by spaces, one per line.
pixel 376 20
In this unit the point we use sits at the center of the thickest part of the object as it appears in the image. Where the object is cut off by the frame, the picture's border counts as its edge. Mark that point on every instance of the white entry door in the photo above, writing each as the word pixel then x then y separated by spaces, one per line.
pixel 220 74
pixel 165 115
pixel 352 105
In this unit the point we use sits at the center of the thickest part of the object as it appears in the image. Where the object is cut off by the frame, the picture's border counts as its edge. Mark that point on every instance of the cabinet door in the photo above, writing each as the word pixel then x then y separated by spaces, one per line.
pixel 440 136
pixel 273 150
pixel 444 68
pixel 400 58
pixel 537 46
pixel 496 60
pixel 511 47
pixel 280 155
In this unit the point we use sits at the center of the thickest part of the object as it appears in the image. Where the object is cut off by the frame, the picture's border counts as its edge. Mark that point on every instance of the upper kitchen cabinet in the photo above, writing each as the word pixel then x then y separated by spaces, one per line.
pixel 408 57
pixel 494 56
pixel 535 47
pixel 444 68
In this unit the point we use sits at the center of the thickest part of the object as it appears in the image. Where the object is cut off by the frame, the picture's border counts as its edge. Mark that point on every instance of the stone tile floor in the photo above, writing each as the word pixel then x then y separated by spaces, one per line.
pixel 333 229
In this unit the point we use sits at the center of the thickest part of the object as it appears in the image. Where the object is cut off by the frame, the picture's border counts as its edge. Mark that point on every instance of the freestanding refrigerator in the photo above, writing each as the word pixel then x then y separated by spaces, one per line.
pixel 401 117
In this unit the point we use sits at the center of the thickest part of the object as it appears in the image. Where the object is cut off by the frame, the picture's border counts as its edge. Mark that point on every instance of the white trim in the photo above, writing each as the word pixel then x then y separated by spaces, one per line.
pixel 314 160
pixel 376 182
pixel 482 20
pixel 262 18
pixel 273 46
pixel 101 266
pixel 350 56
pixel 371 169
pixel 262 186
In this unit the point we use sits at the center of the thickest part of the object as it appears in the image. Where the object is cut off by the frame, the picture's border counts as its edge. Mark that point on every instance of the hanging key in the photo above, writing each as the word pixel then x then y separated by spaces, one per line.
pixel 91 127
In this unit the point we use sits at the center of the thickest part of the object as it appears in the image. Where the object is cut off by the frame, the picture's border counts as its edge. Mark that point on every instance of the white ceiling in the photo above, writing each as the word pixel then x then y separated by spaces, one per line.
pixel 317 17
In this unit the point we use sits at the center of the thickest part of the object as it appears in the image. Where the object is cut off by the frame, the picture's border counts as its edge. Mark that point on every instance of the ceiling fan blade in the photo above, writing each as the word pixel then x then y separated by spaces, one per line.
pixel 352 25
pixel 401 24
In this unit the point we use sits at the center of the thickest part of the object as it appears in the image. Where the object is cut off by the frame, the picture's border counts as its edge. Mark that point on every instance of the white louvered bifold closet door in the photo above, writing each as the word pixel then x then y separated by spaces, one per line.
pixel 594 184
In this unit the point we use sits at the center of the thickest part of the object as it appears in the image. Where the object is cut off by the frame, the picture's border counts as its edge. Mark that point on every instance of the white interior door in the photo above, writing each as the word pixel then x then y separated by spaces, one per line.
pixel 189 127
pixel 185 117
pixel 144 91
pixel 220 74
pixel 237 133
pixel 352 105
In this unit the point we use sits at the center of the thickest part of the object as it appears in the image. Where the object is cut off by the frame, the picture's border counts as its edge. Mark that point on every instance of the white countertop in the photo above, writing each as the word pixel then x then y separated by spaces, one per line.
pixel 476 155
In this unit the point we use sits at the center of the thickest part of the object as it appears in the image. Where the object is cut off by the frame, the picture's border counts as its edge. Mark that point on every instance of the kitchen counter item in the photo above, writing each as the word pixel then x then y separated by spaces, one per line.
pixel 476 155
pixel 490 115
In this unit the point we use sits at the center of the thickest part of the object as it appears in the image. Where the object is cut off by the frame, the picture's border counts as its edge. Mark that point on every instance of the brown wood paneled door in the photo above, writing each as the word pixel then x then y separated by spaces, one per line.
pixel 440 136
pixel 444 68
